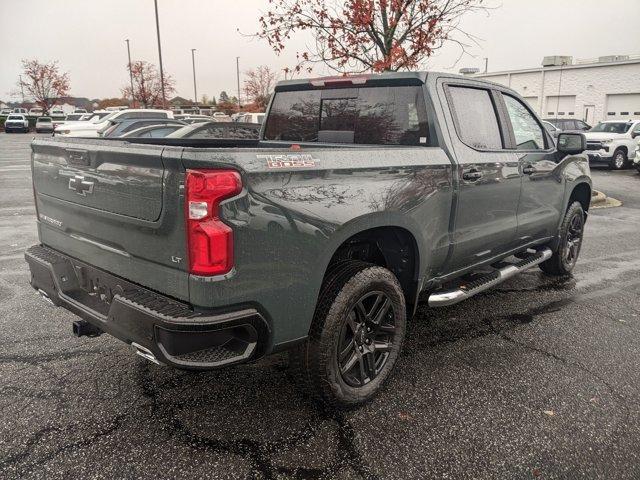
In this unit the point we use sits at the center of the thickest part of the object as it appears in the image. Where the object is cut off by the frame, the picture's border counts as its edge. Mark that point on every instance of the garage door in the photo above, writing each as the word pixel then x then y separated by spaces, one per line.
pixel 533 103
pixel 562 106
pixel 623 106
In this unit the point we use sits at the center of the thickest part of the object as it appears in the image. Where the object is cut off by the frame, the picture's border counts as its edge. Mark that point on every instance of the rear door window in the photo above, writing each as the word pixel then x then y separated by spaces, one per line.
pixel 527 131
pixel 367 115
pixel 476 118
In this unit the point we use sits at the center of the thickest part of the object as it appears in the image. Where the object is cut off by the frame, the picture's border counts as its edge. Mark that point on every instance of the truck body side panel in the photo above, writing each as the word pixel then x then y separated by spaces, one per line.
pixel 289 221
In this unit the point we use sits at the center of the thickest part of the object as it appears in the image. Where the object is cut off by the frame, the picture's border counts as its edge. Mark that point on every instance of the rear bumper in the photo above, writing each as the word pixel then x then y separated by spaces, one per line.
pixel 171 331
pixel 15 128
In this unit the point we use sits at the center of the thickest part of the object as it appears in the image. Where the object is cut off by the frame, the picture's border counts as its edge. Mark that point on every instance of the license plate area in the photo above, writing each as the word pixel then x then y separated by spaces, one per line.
pixel 94 288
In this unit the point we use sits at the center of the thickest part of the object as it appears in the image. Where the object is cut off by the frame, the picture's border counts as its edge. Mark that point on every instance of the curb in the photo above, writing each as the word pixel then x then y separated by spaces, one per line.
pixel 600 200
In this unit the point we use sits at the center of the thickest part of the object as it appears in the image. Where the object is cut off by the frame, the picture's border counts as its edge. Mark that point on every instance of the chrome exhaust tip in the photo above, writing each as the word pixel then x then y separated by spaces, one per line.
pixel 145 353
pixel 46 297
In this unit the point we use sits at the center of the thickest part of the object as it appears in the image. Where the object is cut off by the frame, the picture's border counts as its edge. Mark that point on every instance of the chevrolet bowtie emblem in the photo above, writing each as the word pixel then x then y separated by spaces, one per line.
pixel 81 186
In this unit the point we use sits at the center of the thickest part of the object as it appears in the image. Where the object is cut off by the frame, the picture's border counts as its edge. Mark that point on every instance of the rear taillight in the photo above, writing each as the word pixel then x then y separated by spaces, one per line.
pixel 210 240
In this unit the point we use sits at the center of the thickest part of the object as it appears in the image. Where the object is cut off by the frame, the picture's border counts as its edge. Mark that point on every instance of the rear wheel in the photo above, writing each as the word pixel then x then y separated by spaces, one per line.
pixel 565 256
pixel 355 337
pixel 619 160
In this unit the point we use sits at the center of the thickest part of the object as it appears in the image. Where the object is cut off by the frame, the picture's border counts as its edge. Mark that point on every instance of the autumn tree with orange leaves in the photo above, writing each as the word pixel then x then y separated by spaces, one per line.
pixel 147 87
pixel 366 35
pixel 43 82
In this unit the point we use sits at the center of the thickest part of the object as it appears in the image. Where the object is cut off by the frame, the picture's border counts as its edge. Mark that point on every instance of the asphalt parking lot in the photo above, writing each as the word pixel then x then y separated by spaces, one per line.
pixel 535 378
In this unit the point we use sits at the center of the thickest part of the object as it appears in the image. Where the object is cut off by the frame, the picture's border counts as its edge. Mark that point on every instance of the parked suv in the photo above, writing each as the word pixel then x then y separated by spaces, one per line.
pixel 16 123
pixel 361 195
pixel 613 143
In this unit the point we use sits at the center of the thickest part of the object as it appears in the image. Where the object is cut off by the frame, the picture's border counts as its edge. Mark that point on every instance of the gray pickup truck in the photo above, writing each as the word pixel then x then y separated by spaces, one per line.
pixel 362 195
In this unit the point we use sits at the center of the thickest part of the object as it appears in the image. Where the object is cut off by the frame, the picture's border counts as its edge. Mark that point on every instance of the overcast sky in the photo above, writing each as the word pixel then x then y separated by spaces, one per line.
pixel 87 38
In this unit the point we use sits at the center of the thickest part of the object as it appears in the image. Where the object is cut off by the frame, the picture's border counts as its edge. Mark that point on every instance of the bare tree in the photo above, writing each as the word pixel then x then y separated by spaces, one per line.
pixel 258 86
pixel 147 86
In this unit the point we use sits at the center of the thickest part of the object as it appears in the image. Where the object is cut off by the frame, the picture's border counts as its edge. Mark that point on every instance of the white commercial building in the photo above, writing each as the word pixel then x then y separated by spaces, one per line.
pixel 589 90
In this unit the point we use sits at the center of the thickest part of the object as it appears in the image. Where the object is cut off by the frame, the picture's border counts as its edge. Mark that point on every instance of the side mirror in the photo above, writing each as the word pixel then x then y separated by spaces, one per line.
pixel 571 143
pixel 635 134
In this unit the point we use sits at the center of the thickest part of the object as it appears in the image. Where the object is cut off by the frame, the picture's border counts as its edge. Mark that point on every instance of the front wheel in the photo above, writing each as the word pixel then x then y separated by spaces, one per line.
pixel 565 256
pixel 619 160
pixel 355 337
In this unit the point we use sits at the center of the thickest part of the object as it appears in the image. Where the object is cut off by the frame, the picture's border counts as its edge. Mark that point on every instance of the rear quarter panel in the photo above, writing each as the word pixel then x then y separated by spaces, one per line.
pixel 289 221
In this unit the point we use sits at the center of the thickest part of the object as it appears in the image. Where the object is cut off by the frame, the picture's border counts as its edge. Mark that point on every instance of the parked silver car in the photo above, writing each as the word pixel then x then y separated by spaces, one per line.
pixel 44 125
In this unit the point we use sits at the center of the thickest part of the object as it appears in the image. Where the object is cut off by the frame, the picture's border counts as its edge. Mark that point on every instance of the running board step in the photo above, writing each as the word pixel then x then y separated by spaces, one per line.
pixel 451 297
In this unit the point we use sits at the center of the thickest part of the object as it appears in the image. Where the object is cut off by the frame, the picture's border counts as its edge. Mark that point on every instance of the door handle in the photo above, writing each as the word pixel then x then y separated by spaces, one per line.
pixel 529 169
pixel 78 157
pixel 471 175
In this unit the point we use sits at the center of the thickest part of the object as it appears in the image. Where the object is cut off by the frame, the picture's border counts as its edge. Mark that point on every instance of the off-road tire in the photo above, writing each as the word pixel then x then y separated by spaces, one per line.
pixel 619 160
pixel 563 261
pixel 315 362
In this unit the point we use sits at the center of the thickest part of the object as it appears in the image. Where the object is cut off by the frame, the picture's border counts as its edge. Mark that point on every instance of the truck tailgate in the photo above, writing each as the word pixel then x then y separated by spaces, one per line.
pixel 115 205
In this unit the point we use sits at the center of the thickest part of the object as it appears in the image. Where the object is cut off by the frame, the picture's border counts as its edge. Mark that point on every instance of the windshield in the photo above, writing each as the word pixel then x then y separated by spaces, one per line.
pixel 100 117
pixel 612 127
pixel 15 117
pixel 44 120
pixel 73 117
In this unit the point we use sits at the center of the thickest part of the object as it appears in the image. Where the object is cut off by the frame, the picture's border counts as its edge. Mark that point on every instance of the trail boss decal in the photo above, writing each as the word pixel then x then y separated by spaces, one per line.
pixel 299 160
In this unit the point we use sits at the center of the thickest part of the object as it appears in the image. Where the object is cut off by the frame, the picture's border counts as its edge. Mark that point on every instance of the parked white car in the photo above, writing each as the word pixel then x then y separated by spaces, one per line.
pixel 6 111
pixel 95 128
pixel 22 111
pixel 16 123
pixel 35 112
pixel 613 143
pixel 221 117
pixel 44 125
pixel 636 158
pixel 251 118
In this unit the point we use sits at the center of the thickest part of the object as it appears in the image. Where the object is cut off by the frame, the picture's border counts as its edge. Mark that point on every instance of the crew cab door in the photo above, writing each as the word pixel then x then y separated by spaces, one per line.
pixel 542 197
pixel 487 174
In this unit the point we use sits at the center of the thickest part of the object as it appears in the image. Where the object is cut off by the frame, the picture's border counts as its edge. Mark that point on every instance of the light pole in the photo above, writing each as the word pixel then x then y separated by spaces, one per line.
pixel 164 98
pixel 193 63
pixel 21 88
pixel 130 73
pixel 238 77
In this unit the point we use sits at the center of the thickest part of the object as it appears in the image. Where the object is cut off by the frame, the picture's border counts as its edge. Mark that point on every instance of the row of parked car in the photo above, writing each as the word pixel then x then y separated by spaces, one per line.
pixel 148 123
pixel 152 123
pixel 38 112
pixel 612 143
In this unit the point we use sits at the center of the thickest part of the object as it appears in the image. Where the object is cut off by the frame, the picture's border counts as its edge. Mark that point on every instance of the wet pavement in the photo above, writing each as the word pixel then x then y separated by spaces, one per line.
pixel 535 378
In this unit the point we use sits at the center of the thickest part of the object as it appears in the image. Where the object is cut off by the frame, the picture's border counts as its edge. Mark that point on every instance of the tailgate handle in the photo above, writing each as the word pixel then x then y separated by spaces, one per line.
pixel 78 157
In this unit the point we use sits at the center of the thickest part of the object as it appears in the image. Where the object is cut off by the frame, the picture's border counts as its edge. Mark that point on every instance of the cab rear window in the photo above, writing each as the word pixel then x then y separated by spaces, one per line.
pixel 367 115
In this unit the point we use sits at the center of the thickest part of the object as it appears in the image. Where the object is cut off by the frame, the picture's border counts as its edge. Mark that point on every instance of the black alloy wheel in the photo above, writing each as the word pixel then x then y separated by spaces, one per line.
pixel 573 240
pixel 366 339
pixel 355 337
pixel 570 238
